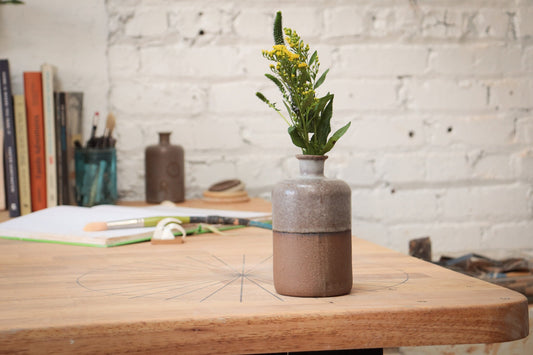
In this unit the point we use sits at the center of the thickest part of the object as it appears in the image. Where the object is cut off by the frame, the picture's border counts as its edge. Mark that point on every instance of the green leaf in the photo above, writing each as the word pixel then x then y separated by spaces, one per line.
pixel 319 106
pixel 313 58
pixel 321 79
pixel 262 98
pixel 297 140
pixel 328 110
pixel 335 137
pixel 266 101
pixel 308 101
pixel 314 112
pixel 278 29
pixel 277 82
pixel 324 125
pixel 273 106
pixel 287 107
pixel 323 101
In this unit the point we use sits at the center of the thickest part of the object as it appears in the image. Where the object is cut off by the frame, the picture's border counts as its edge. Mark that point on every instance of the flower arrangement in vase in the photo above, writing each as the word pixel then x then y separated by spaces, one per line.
pixel 295 73
pixel 311 215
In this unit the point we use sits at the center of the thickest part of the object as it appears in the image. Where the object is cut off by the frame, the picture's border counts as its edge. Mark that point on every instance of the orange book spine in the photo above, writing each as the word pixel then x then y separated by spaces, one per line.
pixel 35 124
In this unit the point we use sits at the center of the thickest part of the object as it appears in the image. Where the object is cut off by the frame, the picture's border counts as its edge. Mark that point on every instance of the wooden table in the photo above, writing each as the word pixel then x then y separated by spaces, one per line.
pixel 214 294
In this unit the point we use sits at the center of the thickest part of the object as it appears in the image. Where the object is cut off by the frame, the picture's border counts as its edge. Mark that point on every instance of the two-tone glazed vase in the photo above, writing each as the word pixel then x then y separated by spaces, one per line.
pixel 312 236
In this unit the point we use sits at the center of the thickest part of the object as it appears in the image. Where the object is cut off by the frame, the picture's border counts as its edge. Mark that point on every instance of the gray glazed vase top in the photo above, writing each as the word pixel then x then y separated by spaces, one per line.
pixel 312 237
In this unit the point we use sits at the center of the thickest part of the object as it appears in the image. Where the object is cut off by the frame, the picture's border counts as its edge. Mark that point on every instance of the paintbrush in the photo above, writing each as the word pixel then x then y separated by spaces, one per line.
pixel 108 133
pixel 152 222
pixel 92 142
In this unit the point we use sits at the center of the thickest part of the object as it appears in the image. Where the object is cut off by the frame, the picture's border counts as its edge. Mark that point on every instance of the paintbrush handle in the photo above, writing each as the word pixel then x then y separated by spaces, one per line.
pixel 141 222
pixel 152 221
pixel 127 223
pixel 230 221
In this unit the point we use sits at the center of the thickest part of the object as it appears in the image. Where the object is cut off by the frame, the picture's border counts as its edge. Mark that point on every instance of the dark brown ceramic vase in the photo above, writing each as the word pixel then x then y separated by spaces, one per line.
pixel 311 222
pixel 165 171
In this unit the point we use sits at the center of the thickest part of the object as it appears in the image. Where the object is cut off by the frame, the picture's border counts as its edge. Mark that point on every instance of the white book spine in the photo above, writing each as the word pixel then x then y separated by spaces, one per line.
pixel 23 162
pixel 49 134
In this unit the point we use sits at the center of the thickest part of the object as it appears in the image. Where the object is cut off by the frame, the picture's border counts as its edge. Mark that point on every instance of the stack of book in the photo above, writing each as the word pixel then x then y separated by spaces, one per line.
pixel 40 129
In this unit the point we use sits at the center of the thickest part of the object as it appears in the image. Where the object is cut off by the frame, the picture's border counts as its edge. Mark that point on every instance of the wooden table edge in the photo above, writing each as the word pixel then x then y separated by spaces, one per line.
pixel 254 334
pixel 282 333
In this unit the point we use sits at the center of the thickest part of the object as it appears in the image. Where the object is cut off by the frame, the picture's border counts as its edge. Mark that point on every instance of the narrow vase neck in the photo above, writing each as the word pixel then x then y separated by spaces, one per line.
pixel 311 165
pixel 164 138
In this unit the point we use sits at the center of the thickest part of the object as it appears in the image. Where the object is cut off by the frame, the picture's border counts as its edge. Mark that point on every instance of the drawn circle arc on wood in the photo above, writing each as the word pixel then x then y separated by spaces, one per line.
pixel 203 278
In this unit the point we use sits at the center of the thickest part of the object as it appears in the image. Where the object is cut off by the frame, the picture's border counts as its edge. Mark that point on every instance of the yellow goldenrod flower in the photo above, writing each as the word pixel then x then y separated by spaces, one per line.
pixel 296 77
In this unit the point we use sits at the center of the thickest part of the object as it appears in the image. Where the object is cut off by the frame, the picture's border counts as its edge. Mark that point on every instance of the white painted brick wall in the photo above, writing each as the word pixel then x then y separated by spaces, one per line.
pixel 381 60
pixel 440 96
pixel 446 95
pixel 343 21
pixel 498 203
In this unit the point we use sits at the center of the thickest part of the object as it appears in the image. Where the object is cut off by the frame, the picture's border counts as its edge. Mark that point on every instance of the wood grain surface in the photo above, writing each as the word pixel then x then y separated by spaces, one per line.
pixel 214 294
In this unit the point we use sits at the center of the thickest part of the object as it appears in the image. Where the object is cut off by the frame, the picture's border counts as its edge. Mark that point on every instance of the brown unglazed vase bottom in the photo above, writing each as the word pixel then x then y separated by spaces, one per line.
pixel 313 264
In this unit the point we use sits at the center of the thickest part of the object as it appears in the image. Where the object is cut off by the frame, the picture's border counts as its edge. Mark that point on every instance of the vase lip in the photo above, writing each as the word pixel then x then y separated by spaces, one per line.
pixel 311 157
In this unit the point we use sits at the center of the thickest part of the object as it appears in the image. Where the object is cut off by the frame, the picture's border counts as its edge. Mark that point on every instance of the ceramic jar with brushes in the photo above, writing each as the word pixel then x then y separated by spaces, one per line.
pixel 165 171
pixel 96 167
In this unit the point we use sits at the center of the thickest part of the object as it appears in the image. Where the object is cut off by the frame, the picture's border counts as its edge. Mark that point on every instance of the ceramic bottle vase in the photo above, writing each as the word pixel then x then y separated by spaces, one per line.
pixel 312 238
pixel 165 171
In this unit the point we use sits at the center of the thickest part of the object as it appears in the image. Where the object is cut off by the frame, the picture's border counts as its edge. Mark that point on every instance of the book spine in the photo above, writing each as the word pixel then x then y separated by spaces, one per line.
pixel 49 134
pixel 35 124
pixel 59 157
pixel 61 149
pixel 73 120
pixel 10 151
pixel 21 133
pixel 2 180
